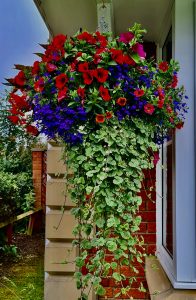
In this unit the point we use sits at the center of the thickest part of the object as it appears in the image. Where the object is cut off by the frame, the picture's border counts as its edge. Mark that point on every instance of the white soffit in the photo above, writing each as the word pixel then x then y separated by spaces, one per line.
pixel 68 16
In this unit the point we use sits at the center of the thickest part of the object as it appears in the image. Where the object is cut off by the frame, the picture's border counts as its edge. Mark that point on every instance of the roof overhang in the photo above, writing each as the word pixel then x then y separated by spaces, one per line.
pixel 68 16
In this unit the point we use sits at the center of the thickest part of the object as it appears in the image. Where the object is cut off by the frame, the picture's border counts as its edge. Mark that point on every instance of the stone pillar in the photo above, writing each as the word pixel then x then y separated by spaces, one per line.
pixel 59 282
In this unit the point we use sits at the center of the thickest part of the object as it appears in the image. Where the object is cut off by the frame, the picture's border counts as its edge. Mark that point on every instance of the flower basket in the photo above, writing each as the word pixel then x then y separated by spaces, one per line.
pixel 112 109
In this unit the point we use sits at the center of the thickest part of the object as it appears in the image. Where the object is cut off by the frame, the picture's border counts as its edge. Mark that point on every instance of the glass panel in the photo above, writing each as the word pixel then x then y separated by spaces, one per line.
pixel 168 158
pixel 168 151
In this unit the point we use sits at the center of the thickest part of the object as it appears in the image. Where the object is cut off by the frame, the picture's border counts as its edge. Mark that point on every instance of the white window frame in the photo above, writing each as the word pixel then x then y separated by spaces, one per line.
pixel 181 270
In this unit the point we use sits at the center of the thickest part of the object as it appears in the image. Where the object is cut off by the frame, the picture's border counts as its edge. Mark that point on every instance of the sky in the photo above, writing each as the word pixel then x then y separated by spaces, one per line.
pixel 21 31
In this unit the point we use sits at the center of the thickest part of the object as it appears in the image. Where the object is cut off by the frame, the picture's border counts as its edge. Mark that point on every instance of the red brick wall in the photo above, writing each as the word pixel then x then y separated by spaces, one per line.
pixel 148 231
pixel 39 177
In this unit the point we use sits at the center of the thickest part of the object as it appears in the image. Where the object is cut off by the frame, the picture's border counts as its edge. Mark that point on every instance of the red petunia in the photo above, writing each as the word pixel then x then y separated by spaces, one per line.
pixel 163 66
pixel 18 102
pixel 50 67
pixel 109 115
pixel 149 108
pixel 59 41
pixel 174 81
pixel 139 93
pixel 35 68
pixel 81 92
pixel 20 79
pixel 87 37
pixel 128 60
pixel 117 56
pixel 83 67
pixel 62 94
pixel 101 74
pixel 100 118
pixel 39 85
pixel 160 103
pixel 61 80
pixel 101 39
pixel 88 77
pixel 121 101
pixel 180 125
pixel 32 130
pixel 14 119
pixel 104 93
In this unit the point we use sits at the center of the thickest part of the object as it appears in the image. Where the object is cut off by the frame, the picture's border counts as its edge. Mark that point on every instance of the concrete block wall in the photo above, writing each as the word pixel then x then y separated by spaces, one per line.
pixel 59 282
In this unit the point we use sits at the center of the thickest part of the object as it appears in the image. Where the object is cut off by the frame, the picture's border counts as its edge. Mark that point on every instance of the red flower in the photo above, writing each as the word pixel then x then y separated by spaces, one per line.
pixel 149 108
pixel 83 67
pixel 128 60
pixel 81 92
pixel 163 66
pixel 100 118
pixel 104 93
pixel 160 103
pixel 88 196
pixel 18 102
pixel 174 81
pixel 14 119
pixel 20 79
pixel 101 39
pixel 50 67
pixel 180 125
pixel 62 94
pixel 61 80
pixel 35 68
pixel 59 41
pixel 88 77
pixel 169 109
pixel 101 74
pixel 32 130
pixel 87 37
pixel 117 56
pixel 121 101
pixel 139 93
pixel 109 115
pixel 39 85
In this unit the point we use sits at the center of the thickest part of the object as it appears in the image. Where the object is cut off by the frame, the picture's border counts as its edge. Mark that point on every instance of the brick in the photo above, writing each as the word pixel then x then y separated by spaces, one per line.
pixel 143 205
pixel 151 205
pixel 149 238
pixel 151 249
pixel 151 227
pixel 143 227
pixel 148 216
pixel 109 292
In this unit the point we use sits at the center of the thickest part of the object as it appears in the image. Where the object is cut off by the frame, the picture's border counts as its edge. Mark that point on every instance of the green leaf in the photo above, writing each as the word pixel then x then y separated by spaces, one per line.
pixel 114 265
pixel 100 290
pixel 118 180
pixel 112 246
pixel 116 276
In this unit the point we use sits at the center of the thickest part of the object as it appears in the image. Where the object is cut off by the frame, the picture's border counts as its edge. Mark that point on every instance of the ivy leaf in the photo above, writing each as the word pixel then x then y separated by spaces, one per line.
pixel 112 246
pixel 100 290
pixel 100 222
pixel 116 276
pixel 118 180
pixel 114 265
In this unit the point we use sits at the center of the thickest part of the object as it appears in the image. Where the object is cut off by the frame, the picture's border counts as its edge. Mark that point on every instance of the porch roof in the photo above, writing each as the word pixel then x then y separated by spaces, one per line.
pixel 68 16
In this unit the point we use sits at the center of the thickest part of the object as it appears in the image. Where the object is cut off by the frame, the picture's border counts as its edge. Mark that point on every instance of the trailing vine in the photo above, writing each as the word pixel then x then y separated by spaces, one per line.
pixel 107 180
pixel 111 107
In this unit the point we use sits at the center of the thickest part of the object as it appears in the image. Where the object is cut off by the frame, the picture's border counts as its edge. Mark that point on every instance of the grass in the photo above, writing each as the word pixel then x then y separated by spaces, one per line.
pixel 22 276
pixel 25 282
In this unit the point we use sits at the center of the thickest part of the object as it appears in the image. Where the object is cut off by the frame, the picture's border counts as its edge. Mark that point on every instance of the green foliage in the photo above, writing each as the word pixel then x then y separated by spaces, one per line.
pixel 108 170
